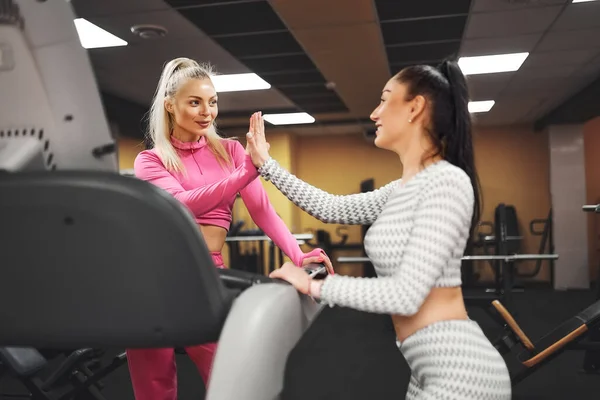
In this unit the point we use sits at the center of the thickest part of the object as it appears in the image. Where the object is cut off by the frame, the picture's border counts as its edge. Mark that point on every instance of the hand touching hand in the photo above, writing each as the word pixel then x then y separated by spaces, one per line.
pixel 318 256
pixel 298 278
pixel 257 146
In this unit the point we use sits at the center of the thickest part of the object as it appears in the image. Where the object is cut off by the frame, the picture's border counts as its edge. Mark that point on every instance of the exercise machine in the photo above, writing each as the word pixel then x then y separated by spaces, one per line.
pixel 580 332
pixel 255 240
pixel 92 259
pixel 79 372
pixel 323 240
pixel 591 359
pixel 260 239
pixel 573 334
pixel 368 185
pixel 509 240
pixel 38 44
pixel 134 272
pixel 503 236
pixel 504 290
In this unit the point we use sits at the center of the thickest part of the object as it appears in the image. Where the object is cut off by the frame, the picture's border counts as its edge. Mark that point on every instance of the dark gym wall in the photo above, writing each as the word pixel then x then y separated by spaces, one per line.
pixel 591 137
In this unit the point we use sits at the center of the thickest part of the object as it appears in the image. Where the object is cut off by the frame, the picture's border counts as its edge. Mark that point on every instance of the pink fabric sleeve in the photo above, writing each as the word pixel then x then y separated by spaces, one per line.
pixel 263 214
pixel 148 167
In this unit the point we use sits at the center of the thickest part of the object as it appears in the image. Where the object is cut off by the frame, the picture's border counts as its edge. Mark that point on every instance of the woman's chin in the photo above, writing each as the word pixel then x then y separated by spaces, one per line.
pixel 198 130
pixel 379 142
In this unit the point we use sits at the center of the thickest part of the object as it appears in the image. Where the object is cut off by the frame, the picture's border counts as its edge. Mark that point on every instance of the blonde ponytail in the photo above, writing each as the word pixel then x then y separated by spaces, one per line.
pixel 160 122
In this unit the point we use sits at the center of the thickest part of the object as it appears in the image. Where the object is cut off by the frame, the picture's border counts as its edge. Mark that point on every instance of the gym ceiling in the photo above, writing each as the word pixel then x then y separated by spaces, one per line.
pixel 331 58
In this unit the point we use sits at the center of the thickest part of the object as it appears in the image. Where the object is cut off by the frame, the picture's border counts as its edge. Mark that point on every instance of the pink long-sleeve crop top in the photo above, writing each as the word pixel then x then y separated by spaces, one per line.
pixel 209 189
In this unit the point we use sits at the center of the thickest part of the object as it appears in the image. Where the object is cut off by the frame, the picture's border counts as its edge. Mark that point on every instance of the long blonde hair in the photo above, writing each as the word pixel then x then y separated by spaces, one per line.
pixel 161 122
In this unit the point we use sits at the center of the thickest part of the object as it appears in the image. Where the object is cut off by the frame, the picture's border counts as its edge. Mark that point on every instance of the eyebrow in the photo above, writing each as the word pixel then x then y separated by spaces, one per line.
pixel 386 90
pixel 200 98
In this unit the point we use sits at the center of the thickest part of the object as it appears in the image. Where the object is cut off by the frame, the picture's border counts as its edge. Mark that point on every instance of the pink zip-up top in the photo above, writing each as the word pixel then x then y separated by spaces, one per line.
pixel 209 189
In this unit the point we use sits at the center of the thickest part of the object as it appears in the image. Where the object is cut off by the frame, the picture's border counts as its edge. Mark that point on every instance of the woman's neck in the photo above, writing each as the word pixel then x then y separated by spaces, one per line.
pixel 184 136
pixel 416 157
pixel 414 163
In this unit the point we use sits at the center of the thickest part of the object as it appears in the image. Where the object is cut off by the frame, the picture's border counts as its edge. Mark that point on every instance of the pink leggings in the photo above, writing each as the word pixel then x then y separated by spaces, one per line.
pixel 153 371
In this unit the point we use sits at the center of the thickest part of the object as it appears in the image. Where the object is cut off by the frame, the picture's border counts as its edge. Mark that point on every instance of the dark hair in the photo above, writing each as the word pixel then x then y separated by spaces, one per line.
pixel 445 88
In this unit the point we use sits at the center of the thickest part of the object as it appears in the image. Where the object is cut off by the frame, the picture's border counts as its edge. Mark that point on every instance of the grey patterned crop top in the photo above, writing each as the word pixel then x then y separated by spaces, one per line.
pixel 417 237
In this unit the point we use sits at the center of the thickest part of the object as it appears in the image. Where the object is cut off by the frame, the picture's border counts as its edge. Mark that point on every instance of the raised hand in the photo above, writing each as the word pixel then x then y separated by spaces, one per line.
pixel 257 146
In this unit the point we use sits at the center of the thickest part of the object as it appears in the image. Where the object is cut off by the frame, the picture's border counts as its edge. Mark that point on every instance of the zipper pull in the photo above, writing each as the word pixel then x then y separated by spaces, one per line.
pixel 196 161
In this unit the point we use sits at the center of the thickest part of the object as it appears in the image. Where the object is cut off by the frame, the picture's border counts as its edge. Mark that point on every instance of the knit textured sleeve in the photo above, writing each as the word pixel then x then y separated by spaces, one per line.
pixel 436 242
pixel 264 215
pixel 353 209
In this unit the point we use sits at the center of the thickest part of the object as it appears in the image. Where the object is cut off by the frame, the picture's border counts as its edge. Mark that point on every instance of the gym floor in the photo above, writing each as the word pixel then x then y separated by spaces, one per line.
pixel 352 355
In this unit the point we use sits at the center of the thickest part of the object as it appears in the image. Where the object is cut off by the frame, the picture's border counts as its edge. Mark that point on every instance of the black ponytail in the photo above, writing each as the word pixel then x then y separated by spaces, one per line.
pixel 459 144
pixel 450 129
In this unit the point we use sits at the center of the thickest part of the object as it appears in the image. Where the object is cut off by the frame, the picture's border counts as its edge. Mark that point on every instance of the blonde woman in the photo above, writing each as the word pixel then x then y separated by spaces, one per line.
pixel 204 172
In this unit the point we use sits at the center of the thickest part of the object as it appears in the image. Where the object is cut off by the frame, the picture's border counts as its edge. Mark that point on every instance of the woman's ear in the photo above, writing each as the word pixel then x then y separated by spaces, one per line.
pixel 417 107
pixel 169 105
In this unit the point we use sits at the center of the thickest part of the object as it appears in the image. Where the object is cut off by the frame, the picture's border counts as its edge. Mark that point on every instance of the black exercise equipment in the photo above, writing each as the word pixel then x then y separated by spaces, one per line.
pixel 546 240
pixel 251 261
pixel 323 241
pixel 480 240
pixel 580 332
pixel 79 374
pixel 507 265
pixel 69 229
pixel 109 262
pixel 504 237
pixel 367 185
pixel 246 261
pixel 508 236
pixel 591 359
pixel 573 334
pixel 78 225
pixel 508 240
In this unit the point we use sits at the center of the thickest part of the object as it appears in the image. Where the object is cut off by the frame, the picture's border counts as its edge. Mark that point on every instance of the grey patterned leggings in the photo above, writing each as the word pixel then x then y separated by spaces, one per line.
pixel 454 360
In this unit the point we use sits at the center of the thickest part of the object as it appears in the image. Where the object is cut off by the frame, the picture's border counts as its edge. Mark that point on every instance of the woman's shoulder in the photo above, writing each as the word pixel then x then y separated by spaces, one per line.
pixel 445 176
pixel 233 147
pixel 148 155
pixel 231 143
pixel 449 171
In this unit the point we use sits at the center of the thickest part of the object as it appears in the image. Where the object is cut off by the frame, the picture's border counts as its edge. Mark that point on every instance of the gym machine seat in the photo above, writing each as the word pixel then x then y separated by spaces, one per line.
pixel 535 355
pixel 93 259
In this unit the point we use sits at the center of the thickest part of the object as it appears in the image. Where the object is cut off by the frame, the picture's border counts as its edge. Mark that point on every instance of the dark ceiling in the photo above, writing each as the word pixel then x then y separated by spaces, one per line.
pixel 299 46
